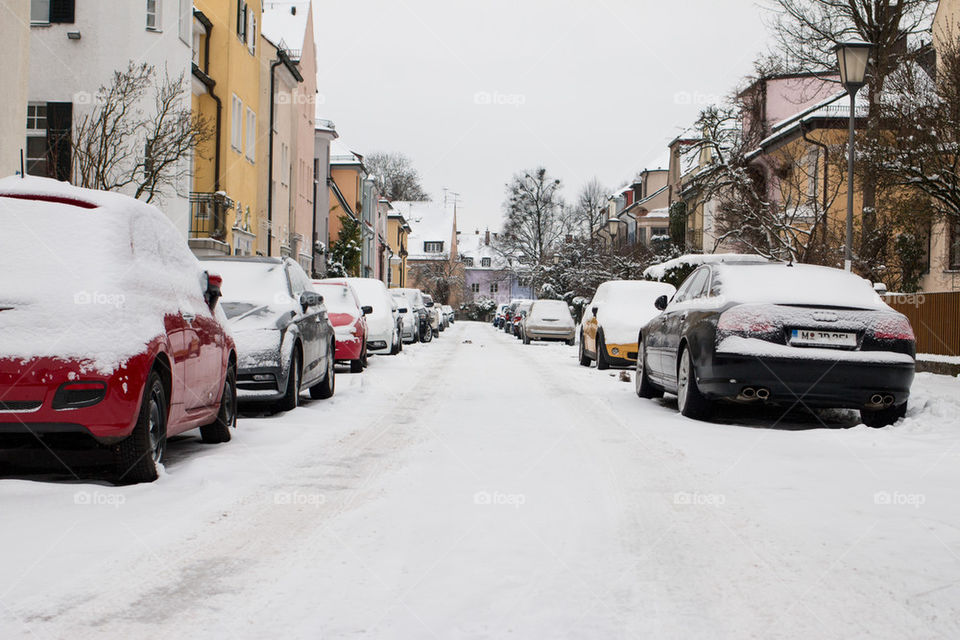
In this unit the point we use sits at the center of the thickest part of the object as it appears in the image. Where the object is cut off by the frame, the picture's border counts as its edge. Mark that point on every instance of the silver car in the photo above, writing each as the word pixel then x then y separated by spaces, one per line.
pixel 548 320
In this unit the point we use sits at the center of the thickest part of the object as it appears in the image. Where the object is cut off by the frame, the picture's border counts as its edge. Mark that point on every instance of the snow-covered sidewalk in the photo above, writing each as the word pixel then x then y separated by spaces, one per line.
pixel 476 487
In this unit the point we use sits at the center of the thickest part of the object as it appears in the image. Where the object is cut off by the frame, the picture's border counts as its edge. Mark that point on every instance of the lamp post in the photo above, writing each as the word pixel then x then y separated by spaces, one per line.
pixel 852 58
pixel 612 228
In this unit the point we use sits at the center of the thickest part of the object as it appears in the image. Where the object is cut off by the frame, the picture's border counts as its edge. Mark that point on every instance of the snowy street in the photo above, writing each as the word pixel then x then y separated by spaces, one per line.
pixel 477 488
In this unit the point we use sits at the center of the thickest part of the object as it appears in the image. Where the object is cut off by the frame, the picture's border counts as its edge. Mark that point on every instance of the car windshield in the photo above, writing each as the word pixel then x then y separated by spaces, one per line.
pixel 337 297
pixel 250 283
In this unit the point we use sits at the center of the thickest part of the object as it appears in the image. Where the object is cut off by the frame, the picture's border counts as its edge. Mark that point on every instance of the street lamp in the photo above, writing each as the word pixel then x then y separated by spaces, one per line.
pixel 852 58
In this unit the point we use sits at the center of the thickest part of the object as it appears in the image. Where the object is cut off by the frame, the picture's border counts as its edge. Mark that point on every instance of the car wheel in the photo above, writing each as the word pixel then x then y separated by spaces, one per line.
pixel 584 358
pixel 524 337
pixel 291 399
pixel 692 403
pixel 219 430
pixel 602 363
pixel 326 388
pixel 137 455
pixel 356 366
pixel 883 417
pixel 645 388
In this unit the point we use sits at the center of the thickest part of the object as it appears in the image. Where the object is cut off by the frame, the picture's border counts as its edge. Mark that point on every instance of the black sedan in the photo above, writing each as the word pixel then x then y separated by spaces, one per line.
pixel 791 335
pixel 285 342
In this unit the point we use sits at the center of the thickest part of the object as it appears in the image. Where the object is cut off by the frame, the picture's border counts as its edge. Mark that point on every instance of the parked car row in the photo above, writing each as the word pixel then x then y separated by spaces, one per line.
pixel 756 332
pixel 115 337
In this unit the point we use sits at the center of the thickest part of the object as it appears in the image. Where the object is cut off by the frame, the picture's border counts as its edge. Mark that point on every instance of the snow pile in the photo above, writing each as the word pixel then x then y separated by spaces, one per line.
pixel 659 271
pixel 90 283
pixel 625 306
pixel 799 284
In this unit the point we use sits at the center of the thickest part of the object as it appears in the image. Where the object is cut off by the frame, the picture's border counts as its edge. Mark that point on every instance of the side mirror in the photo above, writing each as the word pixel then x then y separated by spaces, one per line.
pixel 310 299
pixel 429 304
pixel 403 310
pixel 212 294
pixel 367 310
pixel 594 310
pixel 661 303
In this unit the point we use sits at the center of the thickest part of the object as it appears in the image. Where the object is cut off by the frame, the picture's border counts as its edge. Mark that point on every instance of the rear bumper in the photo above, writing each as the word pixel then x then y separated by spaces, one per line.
pixel 812 382
pixel 537 333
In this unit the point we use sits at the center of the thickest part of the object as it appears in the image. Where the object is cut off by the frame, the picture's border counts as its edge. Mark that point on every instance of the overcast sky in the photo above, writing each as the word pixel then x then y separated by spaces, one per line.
pixel 474 92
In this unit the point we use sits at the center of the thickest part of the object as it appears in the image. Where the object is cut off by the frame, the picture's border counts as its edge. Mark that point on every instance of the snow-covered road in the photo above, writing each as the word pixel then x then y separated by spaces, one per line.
pixel 476 487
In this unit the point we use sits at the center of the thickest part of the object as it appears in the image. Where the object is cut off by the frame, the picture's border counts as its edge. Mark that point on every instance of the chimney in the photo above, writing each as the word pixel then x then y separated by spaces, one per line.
pixel 486 238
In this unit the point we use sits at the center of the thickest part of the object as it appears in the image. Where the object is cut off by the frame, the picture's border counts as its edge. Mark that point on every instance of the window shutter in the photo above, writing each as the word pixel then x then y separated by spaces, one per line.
pixel 59 125
pixel 62 11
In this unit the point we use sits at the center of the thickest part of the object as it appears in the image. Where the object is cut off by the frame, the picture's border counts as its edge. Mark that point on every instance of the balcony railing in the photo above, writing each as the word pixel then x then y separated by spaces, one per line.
pixel 208 215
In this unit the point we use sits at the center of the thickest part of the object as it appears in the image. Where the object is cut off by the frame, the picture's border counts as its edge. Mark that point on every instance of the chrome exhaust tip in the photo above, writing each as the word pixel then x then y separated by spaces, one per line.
pixel 748 393
pixel 763 393
pixel 888 400
pixel 876 399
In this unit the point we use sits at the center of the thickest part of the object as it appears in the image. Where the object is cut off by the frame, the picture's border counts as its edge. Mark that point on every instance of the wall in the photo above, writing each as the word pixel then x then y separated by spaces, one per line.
pixel 112 32
pixel 14 75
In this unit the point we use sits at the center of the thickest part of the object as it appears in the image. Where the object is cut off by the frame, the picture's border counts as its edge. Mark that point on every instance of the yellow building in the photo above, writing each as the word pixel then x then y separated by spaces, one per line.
pixel 398 232
pixel 224 218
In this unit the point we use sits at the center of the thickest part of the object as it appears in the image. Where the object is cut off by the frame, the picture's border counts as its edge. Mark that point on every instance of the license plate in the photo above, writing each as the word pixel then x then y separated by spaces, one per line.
pixel 816 338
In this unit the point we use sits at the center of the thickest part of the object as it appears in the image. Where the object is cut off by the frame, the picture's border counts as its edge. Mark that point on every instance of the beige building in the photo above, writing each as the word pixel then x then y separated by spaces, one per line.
pixel 14 76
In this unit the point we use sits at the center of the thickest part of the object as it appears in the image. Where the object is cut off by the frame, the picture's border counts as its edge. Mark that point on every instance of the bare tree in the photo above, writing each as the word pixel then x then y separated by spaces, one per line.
pixel 118 144
pixel 399 180
pixel 439 278
pixel 536 217
pixel 588 210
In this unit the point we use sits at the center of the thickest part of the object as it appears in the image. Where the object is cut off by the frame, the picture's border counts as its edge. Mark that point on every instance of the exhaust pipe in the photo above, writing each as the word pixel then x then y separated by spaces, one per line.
pixel 763 393
pixel 876 399
pixel 748 393
pixel 888 400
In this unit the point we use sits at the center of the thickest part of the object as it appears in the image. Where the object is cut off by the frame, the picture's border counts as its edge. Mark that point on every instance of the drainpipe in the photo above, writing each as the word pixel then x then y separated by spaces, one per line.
pixel 273 88
pixel 826 167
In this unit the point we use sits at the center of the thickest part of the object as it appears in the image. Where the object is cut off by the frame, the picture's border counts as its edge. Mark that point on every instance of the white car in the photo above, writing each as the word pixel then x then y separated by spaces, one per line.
pixel 383 336
pixel 448 314
pixel 410 319
pixel 433 315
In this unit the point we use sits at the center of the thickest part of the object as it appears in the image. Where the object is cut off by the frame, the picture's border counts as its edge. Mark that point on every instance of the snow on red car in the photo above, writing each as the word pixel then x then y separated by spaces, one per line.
pixel 110 333
pixel 347 316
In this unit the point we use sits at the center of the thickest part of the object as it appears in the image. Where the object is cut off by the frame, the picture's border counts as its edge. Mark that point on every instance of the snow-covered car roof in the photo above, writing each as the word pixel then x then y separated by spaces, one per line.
pixel 90 275
pixel 797 284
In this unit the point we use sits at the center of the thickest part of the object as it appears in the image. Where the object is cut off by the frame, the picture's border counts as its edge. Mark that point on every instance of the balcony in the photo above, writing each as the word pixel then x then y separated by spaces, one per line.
pixel 208 223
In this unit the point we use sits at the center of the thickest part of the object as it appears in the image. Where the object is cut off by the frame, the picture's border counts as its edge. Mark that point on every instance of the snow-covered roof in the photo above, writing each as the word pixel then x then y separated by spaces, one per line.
pixel 659 213
pixel 428 222
pixel 836 106
pixel 285 25
pixel 341 154
pixel 661 162
pixel 473 245
pixel 658 271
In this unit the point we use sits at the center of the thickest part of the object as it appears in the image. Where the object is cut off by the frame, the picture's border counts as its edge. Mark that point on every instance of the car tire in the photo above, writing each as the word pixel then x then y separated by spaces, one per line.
pixel 326 388
pixel 584 358
pixel 525 337
pixel 219 430
pixel 692 403
pixel 644 387
pixel 291 398
pixel 356 366
pixel 883 417
pixel 602 363
pixel 137 456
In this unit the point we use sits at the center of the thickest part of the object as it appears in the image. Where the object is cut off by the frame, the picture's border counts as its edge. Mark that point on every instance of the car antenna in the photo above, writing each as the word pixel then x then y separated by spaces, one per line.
pixel 22 172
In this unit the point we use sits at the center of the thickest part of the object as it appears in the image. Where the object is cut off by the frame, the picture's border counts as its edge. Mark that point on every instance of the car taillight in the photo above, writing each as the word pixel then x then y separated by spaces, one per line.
pixel 747 319
pixel 894 327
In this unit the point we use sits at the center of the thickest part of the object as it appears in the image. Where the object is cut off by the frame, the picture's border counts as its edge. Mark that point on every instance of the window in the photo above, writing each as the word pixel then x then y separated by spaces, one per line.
pixel 40 11
pixel 51 11
pixel 284 163
pixel 468 262
pixel 642 235
pixel 36 154
pixel 252 34
pixel 185 21
pixel 236 124
pixel 693 286
pixel 153 15
pixel 433 247
pixel 251 135
pixel 485 262
pixel 148 157
pixel 813 158
pixel 955 247
pixel 242 20
pixel 494 287
pixel 475 287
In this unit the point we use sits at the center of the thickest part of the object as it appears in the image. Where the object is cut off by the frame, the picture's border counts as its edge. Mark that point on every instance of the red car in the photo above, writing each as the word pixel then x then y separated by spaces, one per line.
pixel 347 316
pixel 110 333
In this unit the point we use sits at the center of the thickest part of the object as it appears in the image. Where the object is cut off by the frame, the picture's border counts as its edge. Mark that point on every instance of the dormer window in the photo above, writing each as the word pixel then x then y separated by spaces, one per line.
pixel 485 262
pixel 468 262
pixel 433 247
